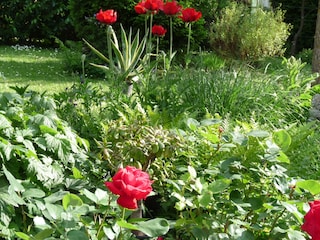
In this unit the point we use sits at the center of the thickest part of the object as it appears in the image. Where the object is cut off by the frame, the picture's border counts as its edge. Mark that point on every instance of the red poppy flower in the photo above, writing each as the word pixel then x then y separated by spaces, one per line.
pixel 171 8
pixel 154 5
pixel 131 184
pixel 107 17
pixel 158 30
pixel 190 15
pixel 140 8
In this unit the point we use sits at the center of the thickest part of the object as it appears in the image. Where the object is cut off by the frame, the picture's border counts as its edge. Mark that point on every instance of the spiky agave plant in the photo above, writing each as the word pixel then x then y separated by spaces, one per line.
pixel 129 62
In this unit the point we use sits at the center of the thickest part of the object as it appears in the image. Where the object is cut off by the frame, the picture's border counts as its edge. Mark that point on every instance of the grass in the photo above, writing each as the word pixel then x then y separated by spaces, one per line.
pixel 41 69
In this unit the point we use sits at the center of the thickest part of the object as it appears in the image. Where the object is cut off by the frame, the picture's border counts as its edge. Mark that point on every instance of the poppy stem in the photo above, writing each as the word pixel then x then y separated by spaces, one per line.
pixel 150 38
pixel 171 38
pixel 189 37
pixel 109 32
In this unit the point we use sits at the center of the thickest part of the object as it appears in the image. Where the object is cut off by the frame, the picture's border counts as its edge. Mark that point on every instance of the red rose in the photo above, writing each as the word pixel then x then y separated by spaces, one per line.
pixel 108 17
pixel 171 8
pixel 131 184
pixel 312 220
pixel 190 15
pixel 140 8
pixel 158 30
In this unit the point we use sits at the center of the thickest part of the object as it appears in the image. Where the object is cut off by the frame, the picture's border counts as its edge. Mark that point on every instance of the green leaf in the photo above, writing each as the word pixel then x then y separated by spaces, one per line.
pixel 283 157
pixel 33 193
pixel 76 235
pixel 295 235
pixel 90 195
pixel 71 200
pixel 44 234
pixel 4 122
pixel 99 54
pixel 219 185
pixel 54 210
pixel 13 182
pixel 47 129
pixel 192 124
pixel 23 236
pixel 205 199
pixel 258 134
pixel 154 227
pixel 282 139
pixel 76 173
pixel 192 172
pixel 54 197
pixel 313 186
pixel 124 224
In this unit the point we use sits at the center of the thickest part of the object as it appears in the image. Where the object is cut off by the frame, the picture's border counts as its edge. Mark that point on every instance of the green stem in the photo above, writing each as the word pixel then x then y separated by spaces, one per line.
pixel 150 37
pixel 102 222
pixel 189 37
pixel 109 32
pixel 157 49
pixel 171 39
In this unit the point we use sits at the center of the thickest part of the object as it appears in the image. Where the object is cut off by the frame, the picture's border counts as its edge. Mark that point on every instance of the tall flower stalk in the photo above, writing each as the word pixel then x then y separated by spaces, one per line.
pixel 149 8
pixel 108 17
pixel 188 16
pixel 171 9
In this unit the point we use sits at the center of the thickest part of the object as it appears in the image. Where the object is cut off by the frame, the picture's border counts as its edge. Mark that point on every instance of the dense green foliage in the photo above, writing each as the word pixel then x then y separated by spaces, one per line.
pixel 34 22
pixel 217 151
pixel 241 33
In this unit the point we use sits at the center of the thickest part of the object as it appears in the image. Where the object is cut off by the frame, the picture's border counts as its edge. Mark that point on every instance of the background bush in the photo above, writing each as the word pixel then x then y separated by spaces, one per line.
pixel 244 34
pixel 34 22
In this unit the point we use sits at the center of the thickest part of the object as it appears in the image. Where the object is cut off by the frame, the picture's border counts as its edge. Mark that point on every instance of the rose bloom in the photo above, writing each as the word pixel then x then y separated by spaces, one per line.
pixel 311 223
pixel 108 17
pixel 190 15
pixel 131 184
pixel 171 8
pixel 158 30
pixel 140 8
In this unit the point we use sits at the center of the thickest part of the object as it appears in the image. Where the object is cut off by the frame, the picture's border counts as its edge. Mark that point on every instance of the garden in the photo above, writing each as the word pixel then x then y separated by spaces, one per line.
pixel 146 134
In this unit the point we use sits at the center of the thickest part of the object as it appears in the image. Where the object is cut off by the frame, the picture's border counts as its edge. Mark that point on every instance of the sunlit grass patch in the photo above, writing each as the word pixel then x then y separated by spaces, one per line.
pixel 41 69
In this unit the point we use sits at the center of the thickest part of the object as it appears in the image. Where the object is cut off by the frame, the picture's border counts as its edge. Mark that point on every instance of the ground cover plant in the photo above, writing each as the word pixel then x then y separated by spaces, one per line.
pixel 204 149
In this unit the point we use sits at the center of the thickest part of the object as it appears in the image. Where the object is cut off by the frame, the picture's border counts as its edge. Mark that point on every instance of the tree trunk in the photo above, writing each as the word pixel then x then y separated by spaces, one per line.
pixel 316 47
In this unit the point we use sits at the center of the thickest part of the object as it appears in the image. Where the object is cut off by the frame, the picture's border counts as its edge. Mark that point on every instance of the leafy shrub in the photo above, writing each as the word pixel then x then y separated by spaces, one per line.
pixel 305 55
pixel 30 22
pixel 40 153
pixel 242 191
pixel 249 35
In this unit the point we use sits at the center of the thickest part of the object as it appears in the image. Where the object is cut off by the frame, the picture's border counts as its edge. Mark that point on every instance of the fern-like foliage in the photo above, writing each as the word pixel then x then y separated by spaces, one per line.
pixel 35 143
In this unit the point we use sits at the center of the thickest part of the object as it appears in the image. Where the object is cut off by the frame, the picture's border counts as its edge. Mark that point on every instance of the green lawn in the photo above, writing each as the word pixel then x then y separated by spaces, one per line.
pixel 41 69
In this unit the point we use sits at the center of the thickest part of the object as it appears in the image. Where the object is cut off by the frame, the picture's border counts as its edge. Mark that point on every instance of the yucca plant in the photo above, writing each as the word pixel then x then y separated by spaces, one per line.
pixel 128 63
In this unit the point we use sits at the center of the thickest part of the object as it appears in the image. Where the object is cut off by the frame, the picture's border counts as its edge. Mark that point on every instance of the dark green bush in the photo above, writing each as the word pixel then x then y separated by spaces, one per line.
pixel 25 21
